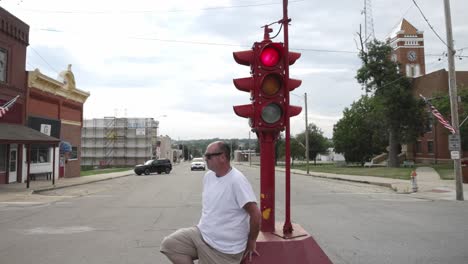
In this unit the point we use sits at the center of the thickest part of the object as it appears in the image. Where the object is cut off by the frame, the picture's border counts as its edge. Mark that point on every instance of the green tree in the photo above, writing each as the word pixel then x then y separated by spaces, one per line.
pixel 297 149
pixel 318 144
pixel 442 102
pixel 401 113
pixel 358 134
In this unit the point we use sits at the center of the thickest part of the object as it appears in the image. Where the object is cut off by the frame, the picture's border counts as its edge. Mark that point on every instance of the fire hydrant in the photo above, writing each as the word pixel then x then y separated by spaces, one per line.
pixel 414 183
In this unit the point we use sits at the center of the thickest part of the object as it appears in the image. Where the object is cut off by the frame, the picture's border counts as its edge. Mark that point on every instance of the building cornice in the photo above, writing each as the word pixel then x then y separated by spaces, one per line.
pixel 65 89
pixel 69 122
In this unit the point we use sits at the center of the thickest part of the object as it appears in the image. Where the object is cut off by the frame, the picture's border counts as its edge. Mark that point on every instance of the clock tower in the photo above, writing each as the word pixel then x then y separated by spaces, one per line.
pixel 408 49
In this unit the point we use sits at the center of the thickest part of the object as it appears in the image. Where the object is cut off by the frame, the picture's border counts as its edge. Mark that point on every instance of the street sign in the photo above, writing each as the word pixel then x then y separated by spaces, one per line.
pixel 454 155
pixel 454 142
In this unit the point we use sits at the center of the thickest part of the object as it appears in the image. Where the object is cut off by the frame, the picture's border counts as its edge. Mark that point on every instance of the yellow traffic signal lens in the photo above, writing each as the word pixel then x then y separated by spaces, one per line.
pixel 271 84
pixel 271 113
pixel 270 56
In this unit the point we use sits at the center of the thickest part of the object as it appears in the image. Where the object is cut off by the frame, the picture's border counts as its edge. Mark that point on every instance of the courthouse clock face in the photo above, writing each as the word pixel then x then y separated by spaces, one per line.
pixel 3 65
pixel 412 55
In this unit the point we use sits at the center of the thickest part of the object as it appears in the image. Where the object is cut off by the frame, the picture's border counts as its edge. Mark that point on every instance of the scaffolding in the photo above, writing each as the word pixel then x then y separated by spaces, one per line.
pixel 113 141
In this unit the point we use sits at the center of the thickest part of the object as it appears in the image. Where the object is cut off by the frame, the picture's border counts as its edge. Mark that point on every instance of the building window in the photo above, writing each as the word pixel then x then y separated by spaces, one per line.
pixel 429 123
pixel 40 153
pixel 3 65
pixel 74 153
pixel 3 149
pixel 430 147
pixel 418 147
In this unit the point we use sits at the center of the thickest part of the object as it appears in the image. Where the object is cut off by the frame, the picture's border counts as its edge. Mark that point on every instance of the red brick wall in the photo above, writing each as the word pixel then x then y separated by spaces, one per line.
pixel 428 85
pixel 70 113
pixel 72 134
pixel 43 108
pixel 14 39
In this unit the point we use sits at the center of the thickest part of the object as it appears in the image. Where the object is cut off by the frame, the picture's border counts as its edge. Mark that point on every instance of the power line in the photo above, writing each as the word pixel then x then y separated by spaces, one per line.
pixel 154 11
pixel 237 45
pixel 427 21
pixel 211 43
pixel 43 59
pixel 399 21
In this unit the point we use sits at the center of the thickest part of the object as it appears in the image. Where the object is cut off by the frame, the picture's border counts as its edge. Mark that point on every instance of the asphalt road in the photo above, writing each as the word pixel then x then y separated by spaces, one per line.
pixel 124 220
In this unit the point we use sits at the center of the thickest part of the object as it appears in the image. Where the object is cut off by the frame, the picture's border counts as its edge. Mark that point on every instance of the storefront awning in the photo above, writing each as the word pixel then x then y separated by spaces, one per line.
pixel 13 133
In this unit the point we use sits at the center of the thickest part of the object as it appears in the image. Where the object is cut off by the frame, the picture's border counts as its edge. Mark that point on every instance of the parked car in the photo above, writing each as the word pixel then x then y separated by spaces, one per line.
pixel 159 166
pixel 198 164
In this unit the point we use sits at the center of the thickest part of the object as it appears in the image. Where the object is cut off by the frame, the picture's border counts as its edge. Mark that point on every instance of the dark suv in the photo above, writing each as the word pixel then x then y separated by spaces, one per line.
pixel 159 166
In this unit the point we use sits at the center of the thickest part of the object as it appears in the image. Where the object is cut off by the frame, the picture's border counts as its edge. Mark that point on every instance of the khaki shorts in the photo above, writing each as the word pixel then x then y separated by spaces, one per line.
pixel 189 241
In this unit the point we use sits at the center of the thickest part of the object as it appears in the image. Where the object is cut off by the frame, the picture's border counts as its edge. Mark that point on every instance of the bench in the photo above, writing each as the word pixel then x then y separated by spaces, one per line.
pixel 46 175
pixel 408 163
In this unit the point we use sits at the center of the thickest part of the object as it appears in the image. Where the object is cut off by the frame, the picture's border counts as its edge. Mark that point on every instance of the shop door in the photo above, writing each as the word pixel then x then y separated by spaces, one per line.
pixel 12 164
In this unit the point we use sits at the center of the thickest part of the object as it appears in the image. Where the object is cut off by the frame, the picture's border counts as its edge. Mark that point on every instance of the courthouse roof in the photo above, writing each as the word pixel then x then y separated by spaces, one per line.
pixel 406 27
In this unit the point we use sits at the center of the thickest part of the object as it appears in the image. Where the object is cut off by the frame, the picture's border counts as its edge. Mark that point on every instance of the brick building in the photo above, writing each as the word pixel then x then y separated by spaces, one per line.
pixel 58 106
pixel 408 45
pixel 17 141
pixel 432 147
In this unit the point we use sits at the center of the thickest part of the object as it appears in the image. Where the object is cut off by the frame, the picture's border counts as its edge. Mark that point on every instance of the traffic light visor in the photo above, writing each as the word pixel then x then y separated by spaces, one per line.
pixel 271 113
pixel 270 56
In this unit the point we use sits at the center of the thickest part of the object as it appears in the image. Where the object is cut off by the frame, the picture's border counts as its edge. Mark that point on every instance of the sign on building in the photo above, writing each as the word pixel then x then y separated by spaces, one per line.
pixel 140 132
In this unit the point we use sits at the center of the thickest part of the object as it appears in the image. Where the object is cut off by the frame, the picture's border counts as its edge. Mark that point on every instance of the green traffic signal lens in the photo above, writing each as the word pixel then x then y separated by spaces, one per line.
pixel 271 113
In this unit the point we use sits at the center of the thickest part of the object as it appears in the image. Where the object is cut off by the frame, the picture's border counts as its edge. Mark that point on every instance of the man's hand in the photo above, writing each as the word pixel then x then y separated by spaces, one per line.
pixel 250 250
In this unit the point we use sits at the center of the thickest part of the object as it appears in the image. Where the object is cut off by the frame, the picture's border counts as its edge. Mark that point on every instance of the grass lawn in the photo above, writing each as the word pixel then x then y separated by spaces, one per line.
pixel 102 171
pixel 445 171
pixel 394 173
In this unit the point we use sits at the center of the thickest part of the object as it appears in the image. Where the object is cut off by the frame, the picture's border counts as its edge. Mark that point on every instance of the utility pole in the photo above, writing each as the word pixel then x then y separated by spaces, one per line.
pixel 250 153
pixel 453 99
pixel 306 133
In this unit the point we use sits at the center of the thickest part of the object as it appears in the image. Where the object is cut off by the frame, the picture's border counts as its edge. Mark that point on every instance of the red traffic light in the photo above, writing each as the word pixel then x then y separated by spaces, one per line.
pixel 270 56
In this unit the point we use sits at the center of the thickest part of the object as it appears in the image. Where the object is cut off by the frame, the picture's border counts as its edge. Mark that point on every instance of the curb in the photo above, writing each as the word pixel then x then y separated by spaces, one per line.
pixel 77 184
pixel 387 185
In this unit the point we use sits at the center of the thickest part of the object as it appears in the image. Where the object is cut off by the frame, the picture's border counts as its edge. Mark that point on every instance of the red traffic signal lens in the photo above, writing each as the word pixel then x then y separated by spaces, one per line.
pixel 271 84
pixel 270 56
pixel 272 113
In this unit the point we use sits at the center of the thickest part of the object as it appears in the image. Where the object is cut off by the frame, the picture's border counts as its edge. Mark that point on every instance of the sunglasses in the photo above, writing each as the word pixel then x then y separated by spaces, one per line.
pixel 209 155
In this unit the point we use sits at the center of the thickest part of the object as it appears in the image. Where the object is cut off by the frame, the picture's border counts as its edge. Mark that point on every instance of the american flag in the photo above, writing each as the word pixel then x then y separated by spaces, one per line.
pixel 438 115
pixel 4 108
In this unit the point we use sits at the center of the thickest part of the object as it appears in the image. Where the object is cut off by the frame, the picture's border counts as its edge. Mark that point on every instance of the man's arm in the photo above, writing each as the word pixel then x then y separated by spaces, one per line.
pixel 255 219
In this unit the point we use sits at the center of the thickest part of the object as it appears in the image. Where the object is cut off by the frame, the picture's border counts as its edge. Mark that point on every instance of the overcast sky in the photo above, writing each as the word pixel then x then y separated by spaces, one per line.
pixel 172 60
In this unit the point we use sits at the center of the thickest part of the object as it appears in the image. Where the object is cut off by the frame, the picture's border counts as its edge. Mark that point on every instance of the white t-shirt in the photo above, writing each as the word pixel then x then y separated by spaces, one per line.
pixel 224 224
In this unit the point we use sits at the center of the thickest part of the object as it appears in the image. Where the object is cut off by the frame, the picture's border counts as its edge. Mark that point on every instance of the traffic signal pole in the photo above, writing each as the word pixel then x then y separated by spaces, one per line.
pixel 287 227
pixel 268 113
pixel 267 180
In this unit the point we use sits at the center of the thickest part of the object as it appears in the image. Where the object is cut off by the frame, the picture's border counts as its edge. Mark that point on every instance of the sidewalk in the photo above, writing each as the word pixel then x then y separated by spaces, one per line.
pixel 15 191
pixel 430 186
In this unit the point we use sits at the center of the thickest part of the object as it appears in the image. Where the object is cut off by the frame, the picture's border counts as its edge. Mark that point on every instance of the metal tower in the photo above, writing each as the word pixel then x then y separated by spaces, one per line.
pixel 369 34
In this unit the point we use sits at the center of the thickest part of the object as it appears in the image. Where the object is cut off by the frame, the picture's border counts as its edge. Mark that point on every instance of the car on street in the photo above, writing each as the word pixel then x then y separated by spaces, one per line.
pixel 155 165
pixel 198 164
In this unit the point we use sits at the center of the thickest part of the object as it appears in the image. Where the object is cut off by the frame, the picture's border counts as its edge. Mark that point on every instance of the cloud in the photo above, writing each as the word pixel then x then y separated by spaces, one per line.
pixel 152 58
